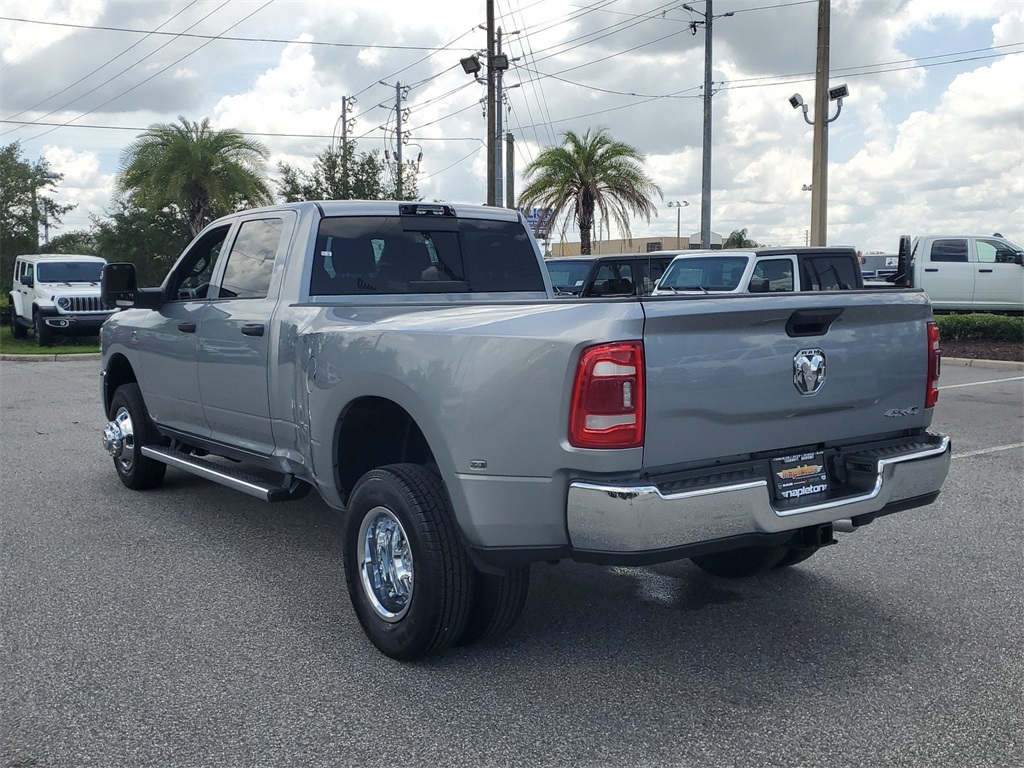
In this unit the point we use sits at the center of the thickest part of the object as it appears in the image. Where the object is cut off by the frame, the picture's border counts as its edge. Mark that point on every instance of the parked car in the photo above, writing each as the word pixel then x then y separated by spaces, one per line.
pixel 975 273
pixel 617 274
pixel 762 270
pixel 878 266
pixel 56 293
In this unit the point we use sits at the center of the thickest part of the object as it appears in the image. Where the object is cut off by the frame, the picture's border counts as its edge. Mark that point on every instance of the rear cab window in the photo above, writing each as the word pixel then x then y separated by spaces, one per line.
pixel 828 273
pixel 417 254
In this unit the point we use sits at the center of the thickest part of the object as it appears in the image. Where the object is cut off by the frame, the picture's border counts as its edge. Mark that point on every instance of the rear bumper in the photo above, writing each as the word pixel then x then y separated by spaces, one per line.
pixel 627 522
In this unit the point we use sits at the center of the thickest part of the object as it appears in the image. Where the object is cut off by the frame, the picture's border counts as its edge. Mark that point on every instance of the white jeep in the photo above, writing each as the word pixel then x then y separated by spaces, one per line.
pixel 57 293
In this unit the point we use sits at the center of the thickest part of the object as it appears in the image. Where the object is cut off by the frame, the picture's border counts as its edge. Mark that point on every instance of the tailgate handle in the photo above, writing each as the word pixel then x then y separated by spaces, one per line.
pixel 811 322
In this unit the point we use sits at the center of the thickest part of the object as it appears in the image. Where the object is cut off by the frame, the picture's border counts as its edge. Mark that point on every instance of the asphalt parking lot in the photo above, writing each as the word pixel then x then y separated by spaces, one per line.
pixel 194 626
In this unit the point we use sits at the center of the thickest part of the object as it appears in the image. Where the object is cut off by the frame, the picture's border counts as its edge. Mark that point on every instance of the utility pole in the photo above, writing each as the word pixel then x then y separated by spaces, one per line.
pixel 491 117
pixel 398 136
pixel 498 108
pixel 346 102
pixel 819 175
pixel 705 186
pixel 705 176
pixel 510 168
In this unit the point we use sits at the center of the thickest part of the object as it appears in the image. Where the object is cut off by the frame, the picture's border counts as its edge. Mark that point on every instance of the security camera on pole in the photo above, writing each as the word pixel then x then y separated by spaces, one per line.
pixel 822 96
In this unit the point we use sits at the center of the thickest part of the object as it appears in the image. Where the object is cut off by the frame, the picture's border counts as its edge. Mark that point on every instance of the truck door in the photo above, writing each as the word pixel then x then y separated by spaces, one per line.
pixel 999 279
pixel 948 273
pixel 236 335
pixel 168 338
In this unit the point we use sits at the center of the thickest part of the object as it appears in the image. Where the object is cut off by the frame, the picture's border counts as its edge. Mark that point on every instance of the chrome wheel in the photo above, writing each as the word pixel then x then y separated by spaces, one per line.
pixel 119 439
pixel 385 564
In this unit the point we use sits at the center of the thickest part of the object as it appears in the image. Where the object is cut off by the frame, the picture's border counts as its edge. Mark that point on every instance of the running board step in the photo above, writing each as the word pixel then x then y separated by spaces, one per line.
pixel 218 473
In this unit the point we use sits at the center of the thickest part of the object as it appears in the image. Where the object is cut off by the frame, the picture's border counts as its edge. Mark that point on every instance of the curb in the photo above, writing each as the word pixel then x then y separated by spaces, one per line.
pixel 999 365
pixel 51 358
pixel 964 362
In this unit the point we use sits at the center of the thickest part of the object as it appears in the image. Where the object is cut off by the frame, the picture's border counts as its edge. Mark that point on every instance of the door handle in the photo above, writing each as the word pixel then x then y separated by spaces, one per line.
pixel 931 270
pixel 252 329
pixel 187 327
pixel 984 270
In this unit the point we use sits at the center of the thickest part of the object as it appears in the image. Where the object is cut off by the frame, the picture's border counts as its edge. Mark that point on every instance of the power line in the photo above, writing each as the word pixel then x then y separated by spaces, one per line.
pixel 101 66
pixel 118 74
pixel 225 38
pixel 155 74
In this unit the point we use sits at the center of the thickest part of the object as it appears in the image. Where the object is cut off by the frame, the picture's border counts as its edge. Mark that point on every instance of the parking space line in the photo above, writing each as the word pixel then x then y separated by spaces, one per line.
pixel 988 450
pixel 979 383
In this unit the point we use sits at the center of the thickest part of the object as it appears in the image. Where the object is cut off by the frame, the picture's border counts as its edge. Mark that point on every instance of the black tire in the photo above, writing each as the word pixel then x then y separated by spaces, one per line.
pixel 796 554
pixel 738 563
pixel 43 333
pixel 18 330
pixel 136 471
pixel 498 602
pixel 408 611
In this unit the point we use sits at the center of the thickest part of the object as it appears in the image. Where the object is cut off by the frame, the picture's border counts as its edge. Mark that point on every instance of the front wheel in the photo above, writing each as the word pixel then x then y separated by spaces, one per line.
pixel 409 579
pixel 738 563
pixel 129 429
pixel 43 332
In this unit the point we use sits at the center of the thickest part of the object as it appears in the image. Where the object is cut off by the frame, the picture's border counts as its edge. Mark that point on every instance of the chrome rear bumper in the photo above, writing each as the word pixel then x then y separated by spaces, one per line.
pixel 633 519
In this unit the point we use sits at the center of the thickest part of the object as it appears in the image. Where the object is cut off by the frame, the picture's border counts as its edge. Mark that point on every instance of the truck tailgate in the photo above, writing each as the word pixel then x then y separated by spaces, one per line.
pixel 721 372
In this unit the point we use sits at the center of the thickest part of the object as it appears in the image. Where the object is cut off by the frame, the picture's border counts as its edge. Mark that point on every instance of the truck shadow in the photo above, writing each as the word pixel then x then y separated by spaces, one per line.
pixel 655 632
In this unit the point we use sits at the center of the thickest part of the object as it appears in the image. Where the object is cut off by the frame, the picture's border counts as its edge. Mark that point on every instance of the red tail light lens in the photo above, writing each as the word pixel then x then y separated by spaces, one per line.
pixel 608 397
pixel 934 366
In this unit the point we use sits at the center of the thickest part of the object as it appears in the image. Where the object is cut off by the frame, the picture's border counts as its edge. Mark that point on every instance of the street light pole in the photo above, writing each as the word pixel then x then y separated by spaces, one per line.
pixel 679 208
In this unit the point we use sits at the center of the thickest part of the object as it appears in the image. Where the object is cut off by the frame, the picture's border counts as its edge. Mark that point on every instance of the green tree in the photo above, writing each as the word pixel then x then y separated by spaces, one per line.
pixel 195 170
pixel 338 173
pixel 151 240
pixel 739 239
pixel 76 241
pixel 25 204
pixel 590 173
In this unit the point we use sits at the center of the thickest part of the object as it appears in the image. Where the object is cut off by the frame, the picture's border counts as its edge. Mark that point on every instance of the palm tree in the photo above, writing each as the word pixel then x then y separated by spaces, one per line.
pixel 202 172
pixel 588 173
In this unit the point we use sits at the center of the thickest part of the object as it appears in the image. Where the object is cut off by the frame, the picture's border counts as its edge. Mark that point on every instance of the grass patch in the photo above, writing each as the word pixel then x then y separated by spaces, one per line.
pixel 981 327
pixel 62 345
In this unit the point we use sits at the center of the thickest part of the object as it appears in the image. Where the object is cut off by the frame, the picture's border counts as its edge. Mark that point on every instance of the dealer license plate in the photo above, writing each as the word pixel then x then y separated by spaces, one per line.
pixel 799 476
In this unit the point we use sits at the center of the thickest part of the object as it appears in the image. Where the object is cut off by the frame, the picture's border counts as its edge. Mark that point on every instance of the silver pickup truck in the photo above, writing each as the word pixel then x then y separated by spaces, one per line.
pixel 410 362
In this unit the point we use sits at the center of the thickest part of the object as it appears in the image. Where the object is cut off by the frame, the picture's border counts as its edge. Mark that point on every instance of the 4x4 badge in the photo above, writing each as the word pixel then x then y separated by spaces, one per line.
pixel 809 371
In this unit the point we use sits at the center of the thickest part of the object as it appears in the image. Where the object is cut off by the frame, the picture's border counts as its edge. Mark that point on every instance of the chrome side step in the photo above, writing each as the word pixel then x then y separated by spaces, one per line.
pixel 229 476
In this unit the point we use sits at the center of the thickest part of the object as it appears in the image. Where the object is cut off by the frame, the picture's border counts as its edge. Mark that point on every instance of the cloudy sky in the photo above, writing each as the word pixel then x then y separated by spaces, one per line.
pixel 931 138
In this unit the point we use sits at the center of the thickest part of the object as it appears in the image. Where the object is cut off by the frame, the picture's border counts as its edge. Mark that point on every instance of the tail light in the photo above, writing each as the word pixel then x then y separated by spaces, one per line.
pixel 607 408
pixel 934 366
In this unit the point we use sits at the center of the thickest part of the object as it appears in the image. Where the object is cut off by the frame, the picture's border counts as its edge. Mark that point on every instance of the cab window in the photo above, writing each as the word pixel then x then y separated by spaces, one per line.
pixel 250 263
pixel 190 279
pixel 949 250
pixel 778 273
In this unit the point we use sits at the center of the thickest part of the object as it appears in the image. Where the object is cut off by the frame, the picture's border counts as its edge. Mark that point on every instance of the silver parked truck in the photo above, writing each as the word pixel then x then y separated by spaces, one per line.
pixel 410 363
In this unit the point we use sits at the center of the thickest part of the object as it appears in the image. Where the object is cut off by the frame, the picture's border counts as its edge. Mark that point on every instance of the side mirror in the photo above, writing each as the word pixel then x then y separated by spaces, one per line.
pixel 758 285
pixel 27 281
pixel 1018 258
pixel 119 286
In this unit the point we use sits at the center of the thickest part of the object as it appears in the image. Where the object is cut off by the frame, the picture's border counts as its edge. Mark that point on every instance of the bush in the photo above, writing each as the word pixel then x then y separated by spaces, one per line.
pixel 981 327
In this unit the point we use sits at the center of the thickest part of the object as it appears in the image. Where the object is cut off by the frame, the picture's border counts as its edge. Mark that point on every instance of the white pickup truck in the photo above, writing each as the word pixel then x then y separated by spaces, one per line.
pixel 968 272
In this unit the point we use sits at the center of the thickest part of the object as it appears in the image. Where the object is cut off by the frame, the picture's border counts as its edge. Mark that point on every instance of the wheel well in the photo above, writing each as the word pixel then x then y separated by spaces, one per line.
pixel 374 432
pixel 119 373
